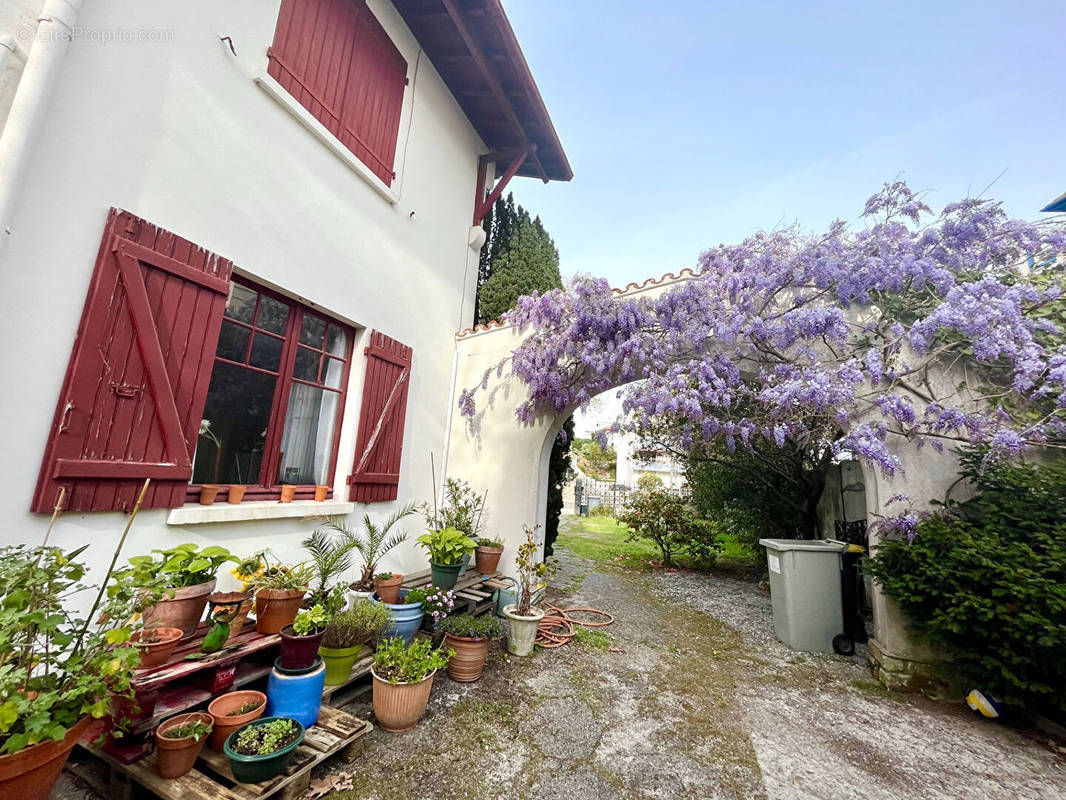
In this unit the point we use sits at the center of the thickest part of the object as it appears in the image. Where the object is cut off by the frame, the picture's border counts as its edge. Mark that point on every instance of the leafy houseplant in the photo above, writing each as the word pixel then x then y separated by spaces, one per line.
pixel 346 635
pixel 522 617
pixel 469 637
pixel 262 749
pixel 300 640
pixel 403 677
pixel 188 572
pixel 372 543
pixel 461 508
pixel 178 743
pixel 446 548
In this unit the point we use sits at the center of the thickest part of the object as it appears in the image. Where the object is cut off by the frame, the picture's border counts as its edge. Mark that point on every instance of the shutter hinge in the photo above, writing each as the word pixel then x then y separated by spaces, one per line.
pixel 350 479
pixel 406 81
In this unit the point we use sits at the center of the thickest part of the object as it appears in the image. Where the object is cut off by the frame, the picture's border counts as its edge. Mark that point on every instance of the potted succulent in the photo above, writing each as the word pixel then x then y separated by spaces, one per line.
pixel 403 677
pixel 387 586
pixel 188 575
pixel 372 543
pixel 279 592
pixel 487 555
pixel 155 644
pixel 262 749
pixel 523 618
pixel 300 640
pixel 234 710
pixel 178 742
pixel 347 633
pixel 60 670
pixel 461 508
pixel 469 638
pixel 446 548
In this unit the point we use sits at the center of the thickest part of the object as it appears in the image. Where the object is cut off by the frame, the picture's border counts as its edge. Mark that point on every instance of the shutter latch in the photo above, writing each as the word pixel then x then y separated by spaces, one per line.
pixel 126 389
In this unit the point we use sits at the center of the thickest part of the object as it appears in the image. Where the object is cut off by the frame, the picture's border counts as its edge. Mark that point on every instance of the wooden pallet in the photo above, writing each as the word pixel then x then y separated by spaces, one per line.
pixel 211 778
pixel 474 591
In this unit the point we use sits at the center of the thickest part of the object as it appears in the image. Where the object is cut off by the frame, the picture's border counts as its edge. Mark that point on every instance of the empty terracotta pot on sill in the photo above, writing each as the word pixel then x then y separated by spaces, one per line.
pixel 287 493
pixel 208 493
pixel 321 492
pixel 236 494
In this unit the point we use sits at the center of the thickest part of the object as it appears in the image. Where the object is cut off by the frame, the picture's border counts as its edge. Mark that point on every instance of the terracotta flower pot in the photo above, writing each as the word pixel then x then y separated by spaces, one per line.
pixel 30 773
pixel 154 653
pixel 184 610
pixel 175 757
pixel 299 652
pixel 208 493
pixel 276 608
pixel 235 494
pixel 399 707
pixel 523 630
pixel 388 590
pixel 321 492
pixel 470 656
pixel 221 709
pixel 288 491
pixel 487 559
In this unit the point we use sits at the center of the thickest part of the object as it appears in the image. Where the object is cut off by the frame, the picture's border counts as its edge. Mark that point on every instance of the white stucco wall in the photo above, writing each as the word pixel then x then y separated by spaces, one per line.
pixel 177 131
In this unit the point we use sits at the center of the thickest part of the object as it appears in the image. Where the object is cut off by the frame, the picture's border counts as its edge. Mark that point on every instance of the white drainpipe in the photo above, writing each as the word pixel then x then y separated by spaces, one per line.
pixel 22 129
pixel 7 48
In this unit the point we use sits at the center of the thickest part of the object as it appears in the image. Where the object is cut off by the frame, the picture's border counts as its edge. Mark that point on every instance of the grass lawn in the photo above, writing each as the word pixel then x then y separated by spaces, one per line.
pixel 603 540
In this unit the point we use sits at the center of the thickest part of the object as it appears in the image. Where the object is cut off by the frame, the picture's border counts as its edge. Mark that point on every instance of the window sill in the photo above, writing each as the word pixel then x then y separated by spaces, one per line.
pixel 305 118
pixel 263 509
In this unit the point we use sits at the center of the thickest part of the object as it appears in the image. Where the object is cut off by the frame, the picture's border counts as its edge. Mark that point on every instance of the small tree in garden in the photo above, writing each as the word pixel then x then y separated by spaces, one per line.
pixel 667 520
pixel 649 482
pixel 929 333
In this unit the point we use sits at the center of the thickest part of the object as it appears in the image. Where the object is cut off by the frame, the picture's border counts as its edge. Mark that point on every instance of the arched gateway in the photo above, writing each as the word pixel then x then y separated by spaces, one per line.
pixel 495 451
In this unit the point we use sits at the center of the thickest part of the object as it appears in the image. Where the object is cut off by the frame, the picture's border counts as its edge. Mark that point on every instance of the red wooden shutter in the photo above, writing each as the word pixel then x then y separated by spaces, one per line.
pixel 337 61
pixel 137 380
pixel 376 474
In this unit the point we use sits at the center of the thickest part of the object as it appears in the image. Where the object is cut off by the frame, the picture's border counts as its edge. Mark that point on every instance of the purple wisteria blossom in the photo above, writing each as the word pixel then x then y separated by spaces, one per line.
pixel 935 333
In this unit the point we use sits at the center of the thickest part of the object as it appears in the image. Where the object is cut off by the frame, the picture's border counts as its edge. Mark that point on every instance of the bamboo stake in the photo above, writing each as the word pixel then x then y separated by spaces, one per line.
pixel 55 514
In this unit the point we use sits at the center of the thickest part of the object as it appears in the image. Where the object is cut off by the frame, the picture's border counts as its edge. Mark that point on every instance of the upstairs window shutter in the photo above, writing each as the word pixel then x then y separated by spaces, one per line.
pixel 337 61
pixel 376 474
pixel 135 386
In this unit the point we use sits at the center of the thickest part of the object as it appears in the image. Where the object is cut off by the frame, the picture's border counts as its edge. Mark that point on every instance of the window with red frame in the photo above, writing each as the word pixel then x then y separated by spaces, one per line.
pixel 337 61
pixel 276 395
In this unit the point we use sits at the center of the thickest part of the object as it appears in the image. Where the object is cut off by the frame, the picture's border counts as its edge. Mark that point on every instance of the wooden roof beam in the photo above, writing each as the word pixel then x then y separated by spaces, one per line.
pixel 497 90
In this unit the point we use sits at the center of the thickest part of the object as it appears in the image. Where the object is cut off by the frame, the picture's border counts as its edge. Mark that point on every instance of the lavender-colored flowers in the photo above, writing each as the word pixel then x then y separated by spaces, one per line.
pixel 944 332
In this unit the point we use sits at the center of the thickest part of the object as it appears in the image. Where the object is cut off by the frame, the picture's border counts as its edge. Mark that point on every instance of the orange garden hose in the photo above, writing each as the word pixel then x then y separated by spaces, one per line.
pixel 557 626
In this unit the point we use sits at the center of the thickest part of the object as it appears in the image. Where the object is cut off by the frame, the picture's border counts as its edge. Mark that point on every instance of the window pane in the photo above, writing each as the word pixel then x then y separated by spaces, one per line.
pixel 306 367
pixel 336 342
pixel 307 443
pixel 230 447
pixel 273 315
pixel 332 373
pixel 312 331
pixel 241 303
pixel 266 352
pixel 232 342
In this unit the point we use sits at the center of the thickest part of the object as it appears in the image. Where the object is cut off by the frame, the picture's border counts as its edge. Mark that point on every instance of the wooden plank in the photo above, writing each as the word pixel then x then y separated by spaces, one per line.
pixel 177 667
pixel 473 598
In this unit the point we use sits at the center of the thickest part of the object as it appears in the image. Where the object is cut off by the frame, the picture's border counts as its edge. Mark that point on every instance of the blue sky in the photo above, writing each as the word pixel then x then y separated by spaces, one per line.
pixel 693 123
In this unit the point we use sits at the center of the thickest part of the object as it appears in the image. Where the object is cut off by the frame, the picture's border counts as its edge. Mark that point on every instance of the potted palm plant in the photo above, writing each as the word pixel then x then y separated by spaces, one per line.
pixel 331 556
pixel 522 617
pixel 300 640
pixel 347 634
pixel 403 678
pixel 178 743
pixel 469 637
pixel 188 573
pixel 371 543
pixel 446 549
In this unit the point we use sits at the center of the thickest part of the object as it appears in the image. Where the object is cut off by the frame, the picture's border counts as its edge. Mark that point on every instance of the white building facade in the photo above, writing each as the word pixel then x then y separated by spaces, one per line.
pixel 238 239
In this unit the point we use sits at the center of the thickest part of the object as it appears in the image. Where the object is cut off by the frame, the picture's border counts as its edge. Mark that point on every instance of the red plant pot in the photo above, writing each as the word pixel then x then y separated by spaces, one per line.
pixel 299 652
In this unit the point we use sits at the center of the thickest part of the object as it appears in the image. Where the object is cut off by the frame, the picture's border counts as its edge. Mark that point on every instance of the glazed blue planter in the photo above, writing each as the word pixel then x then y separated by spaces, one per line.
pixel 296 694
pixel 406 618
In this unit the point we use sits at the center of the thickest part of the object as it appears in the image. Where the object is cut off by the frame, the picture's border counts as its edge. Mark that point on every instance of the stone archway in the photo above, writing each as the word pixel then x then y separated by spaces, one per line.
pixel 497 453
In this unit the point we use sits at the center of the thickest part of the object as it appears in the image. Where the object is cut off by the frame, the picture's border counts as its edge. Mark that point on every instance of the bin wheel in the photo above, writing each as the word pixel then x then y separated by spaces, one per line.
pixel 843 645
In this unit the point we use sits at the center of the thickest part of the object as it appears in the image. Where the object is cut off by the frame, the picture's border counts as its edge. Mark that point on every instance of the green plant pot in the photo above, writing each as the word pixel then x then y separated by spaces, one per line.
pixel 255 769
pixel 339 662
pixel 444 575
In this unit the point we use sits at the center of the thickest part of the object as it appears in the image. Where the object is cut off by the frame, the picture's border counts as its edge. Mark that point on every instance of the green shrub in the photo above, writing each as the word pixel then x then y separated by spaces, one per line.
pixel 358 626
pixel 601 511
pixel 667 520
pixel 487 626
pixel 986 581
pixel 397 662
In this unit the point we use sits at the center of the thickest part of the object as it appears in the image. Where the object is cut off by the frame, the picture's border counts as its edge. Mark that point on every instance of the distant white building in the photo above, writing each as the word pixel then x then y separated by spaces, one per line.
pixel 635 460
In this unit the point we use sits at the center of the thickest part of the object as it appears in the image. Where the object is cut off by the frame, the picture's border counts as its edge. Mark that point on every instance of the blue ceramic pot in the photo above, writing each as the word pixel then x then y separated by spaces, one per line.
pixel 406 617
pixel 297 695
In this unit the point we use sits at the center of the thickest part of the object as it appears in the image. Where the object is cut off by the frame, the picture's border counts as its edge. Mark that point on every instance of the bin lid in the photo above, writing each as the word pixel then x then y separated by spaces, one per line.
pixel 823 545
